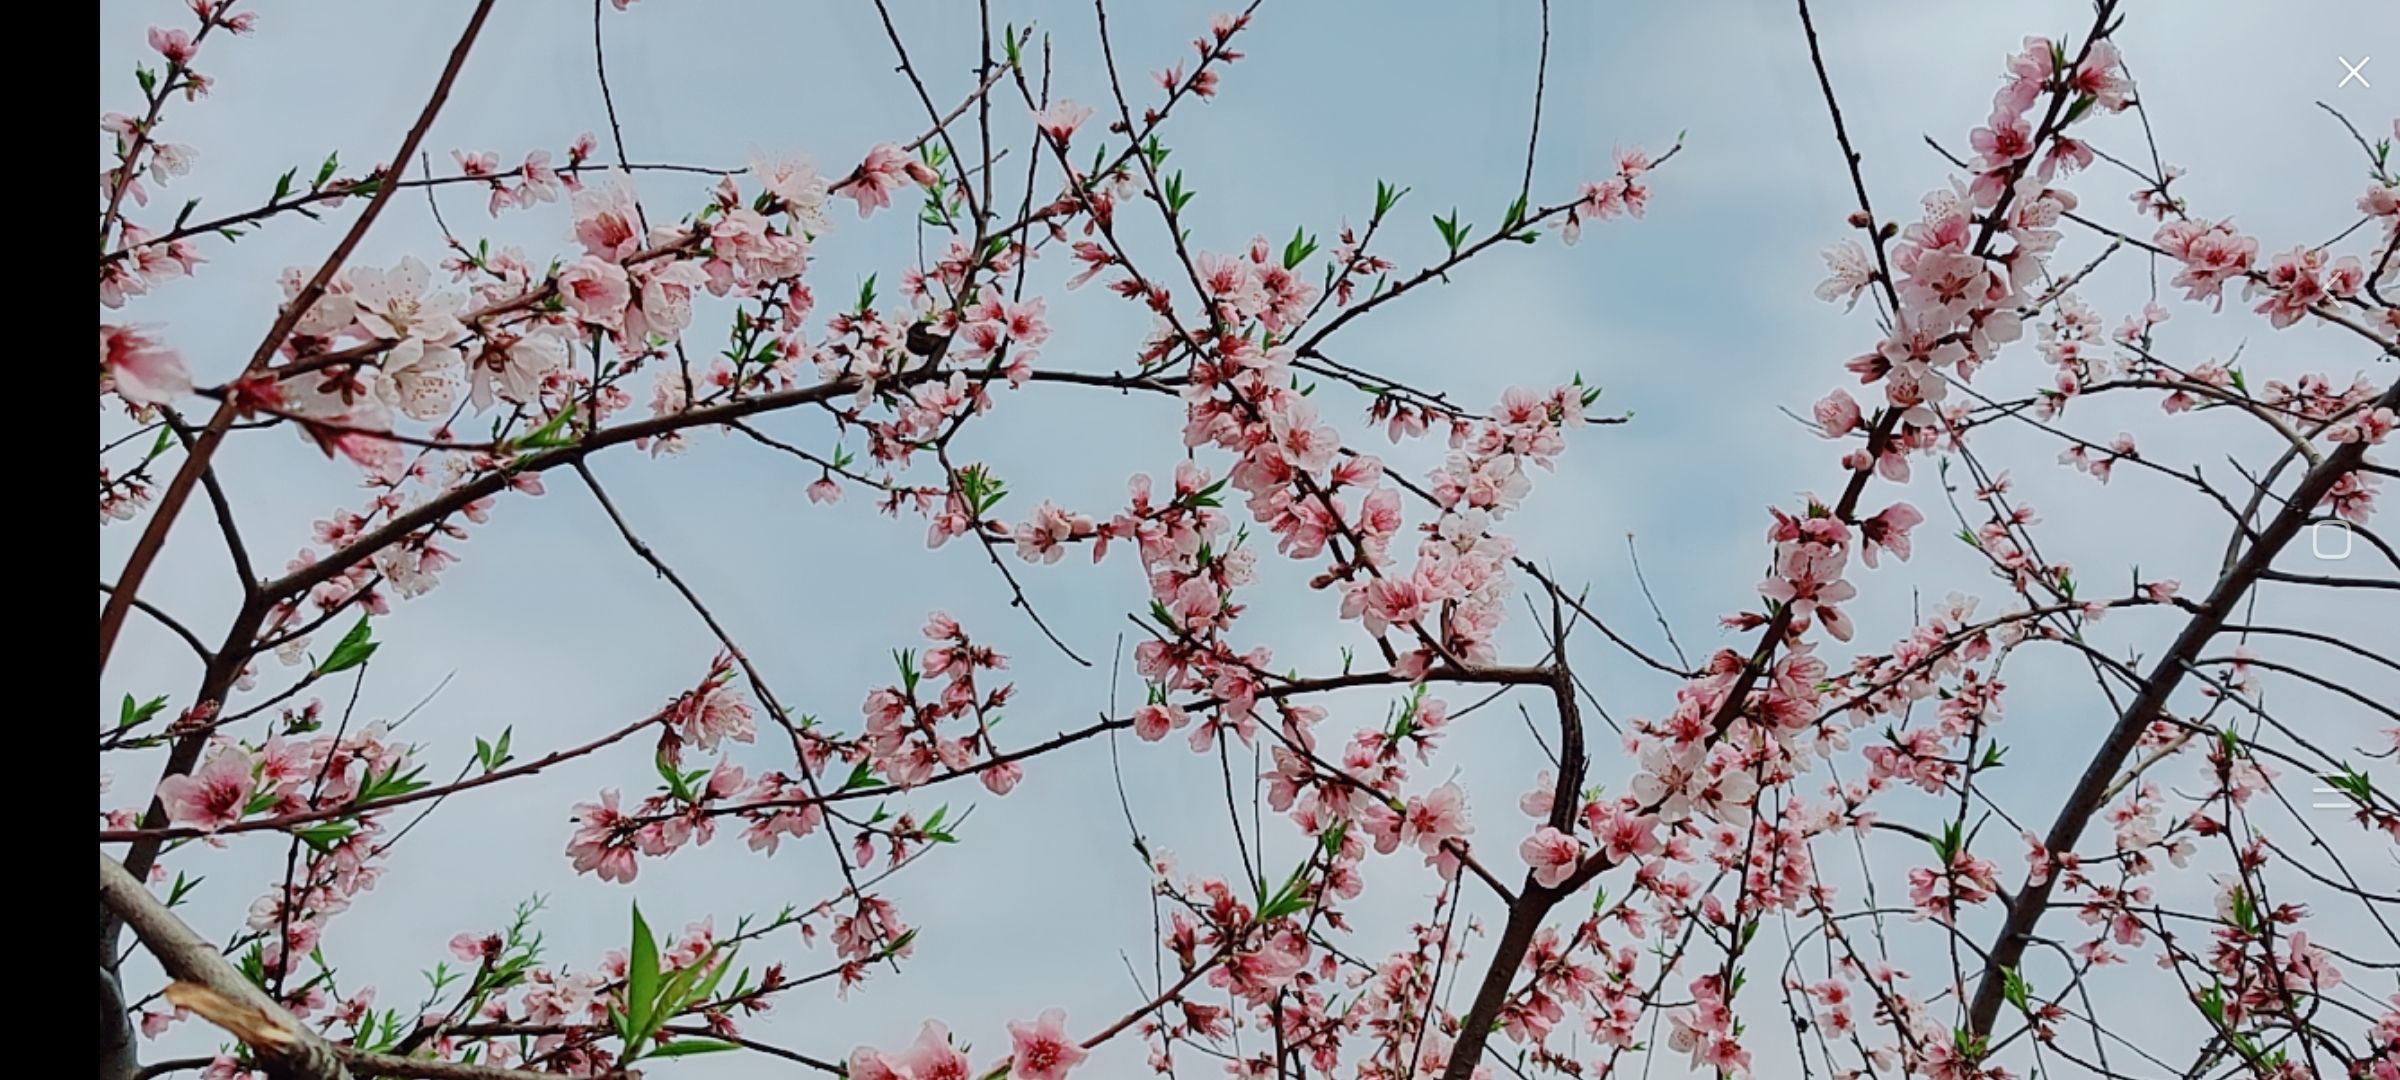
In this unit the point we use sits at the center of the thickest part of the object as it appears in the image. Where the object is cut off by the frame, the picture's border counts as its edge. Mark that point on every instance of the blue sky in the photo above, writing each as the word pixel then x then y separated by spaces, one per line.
pixel 1699 320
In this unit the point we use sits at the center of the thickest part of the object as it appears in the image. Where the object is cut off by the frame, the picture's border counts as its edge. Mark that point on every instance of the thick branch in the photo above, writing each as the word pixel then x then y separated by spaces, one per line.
pixel 208 985
pixel 204 448
pixel 2166 674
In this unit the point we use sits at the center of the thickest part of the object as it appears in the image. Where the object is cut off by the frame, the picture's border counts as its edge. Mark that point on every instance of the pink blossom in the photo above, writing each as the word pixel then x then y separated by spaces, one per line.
pixel 1837 415
pixel 1437 817
pixel 1888 529
pixel 1060 119
pixel 606 221
pixel 597 291
pixel 475 948
pixel 602 843
pixel 215 796
pixel 393 304
pixel 1553 856
pixel 175 45
pixel 1153 722
pixel 1391 602
pixel 1043 1050
pixel 1043 538
pixel 715 714
pixel 139 368
pixel 931 1057
pixel 1851 271
pixel 882 173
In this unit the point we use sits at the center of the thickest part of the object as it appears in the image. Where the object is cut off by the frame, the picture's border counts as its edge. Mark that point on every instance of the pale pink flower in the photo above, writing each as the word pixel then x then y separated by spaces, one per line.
pixel 665 306
pixel 1308 445
pixel 1850 272
pixel 597 291
pixel 475 948
pixel 393 304
pixel 1552 856
pixel 1391 602
pixel 1153 722
pixel 215 796
pixel 882 173
pixel 794 183
pixel 1044 537
pixel 515 369
pixel 175 45
pixel 139 368
pixel 932 1057
pixel 1837 414
pixel 718 713
pixel 1435 818
pixel 1538 802
pixel 418 379
pixel 1060 119
pixel 606 221
pixel 1002 778
pixel 1043 1049
pixel 1888 529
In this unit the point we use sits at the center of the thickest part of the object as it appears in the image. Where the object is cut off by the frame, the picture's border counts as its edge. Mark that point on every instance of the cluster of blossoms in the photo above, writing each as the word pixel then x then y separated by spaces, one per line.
pixel 141 259
pixel 291 774
pixel 536 182
pixel 283 775
pixel 2214 253
pixel 607 839
pixel 377 348
pixel 1741 726
pixel 1601 200
pixel 560 1016
pixel 906 741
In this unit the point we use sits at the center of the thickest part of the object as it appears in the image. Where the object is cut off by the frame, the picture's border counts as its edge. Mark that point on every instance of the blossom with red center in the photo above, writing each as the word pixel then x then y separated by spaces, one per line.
pixel 214 796
pixel 1043 1050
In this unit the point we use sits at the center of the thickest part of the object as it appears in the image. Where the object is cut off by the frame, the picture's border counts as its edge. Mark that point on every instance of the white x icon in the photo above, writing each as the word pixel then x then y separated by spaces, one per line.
pixel 2354 72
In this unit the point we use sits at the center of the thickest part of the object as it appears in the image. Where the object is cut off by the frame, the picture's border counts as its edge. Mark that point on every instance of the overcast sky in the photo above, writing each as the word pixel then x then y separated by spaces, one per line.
pixel 1699 320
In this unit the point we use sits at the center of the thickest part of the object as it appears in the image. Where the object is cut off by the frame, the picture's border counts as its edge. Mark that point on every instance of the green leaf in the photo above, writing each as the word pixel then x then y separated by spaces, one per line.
pixel 130 714
pixel 2014 990
pixel 322 836
pixel 1298 251
pixel 866 295
pixel 717 967
pixel 1454 234
pixel 492 755
pixel 688 1046
pixel 283 185
pixel 675 995
pixel 550 435
pixel 677 785
pixel 641 979
pixel 325 172
pixel 1947 845
pixel 353 650
pixel 392 784
pixel 2353 783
